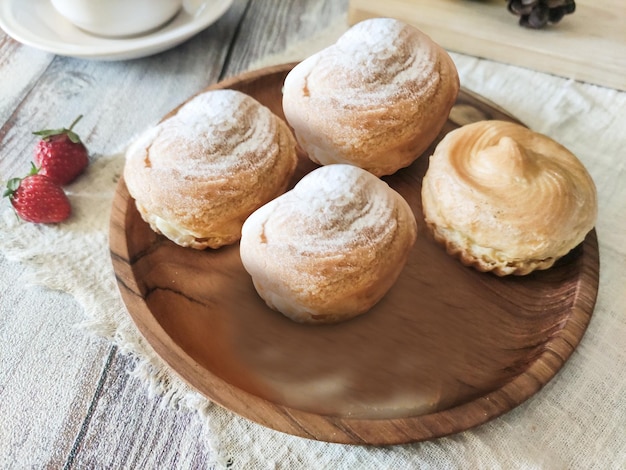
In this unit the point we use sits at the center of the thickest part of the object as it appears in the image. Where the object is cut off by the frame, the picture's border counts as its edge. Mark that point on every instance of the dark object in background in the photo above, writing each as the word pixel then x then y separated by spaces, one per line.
pixel 536 14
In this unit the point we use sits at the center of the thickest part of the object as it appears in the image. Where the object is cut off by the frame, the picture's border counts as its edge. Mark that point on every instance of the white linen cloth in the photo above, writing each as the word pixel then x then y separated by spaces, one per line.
pixel 577 421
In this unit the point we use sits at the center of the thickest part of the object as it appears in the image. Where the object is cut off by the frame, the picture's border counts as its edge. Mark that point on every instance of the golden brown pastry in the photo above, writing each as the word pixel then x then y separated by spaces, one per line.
pixel 331 248
pixel 375 99
pixel 199 174
pixel 506 199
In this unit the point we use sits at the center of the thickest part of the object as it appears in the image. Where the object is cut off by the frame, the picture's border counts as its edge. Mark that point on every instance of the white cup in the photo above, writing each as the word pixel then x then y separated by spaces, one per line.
pixel 117 18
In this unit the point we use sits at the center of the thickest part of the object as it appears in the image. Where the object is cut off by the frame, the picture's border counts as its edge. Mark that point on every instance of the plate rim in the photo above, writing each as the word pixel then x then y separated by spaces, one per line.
pixel 348 430
pixel 110 48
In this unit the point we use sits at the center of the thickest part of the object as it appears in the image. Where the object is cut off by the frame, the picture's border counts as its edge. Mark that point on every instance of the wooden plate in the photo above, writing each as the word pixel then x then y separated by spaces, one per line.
pixel 447 349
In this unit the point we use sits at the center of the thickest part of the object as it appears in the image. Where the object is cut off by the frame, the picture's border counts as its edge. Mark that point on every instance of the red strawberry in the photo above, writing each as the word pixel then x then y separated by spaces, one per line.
pixel 60 154
pixel 36 198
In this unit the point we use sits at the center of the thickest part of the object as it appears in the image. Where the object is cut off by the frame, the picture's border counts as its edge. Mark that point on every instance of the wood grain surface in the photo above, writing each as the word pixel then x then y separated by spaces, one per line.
pixel 447 349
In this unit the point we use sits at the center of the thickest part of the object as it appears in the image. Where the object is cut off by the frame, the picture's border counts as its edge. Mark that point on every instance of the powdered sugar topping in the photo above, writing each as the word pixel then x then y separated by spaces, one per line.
pixel 372 62
pixel 333 208
pixel 202 140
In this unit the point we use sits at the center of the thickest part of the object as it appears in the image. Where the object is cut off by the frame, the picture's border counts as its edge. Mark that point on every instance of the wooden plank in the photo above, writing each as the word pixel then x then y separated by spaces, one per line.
pixel 47 372
pixel 131 429
pixel 290 22
pixel 588 45
pixel 22 61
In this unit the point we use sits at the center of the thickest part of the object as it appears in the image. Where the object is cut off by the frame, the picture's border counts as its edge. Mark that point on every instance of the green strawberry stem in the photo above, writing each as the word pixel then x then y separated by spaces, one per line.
pixel 73 136
pixel 14 183
pixel 75 121
pixel 12 186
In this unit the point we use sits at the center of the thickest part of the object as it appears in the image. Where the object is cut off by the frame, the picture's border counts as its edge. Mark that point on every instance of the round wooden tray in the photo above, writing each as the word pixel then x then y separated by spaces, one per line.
pixel 447 349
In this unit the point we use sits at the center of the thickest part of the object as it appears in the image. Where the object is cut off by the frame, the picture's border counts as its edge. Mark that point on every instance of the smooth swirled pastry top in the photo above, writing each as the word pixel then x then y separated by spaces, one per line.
pixel 330 248
pixel 197 175
pixel 507 199
pixel 376 99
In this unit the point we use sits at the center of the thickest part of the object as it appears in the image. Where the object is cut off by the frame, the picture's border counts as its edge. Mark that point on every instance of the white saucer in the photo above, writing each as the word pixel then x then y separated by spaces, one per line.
pixel 36 23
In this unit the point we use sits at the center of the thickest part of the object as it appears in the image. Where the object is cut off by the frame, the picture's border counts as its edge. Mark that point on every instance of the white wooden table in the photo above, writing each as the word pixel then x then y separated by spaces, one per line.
pixel 67 399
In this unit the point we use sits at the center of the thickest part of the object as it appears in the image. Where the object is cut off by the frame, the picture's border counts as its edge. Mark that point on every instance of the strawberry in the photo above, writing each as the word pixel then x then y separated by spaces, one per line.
pixel 36 198
pixel 60 154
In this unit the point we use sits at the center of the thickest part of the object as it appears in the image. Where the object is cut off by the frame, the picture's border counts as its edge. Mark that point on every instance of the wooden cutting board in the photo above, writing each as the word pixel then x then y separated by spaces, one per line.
pixel 588 45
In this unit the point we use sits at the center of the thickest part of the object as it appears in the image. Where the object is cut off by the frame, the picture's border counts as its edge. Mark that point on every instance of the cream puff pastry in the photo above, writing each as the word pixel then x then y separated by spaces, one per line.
pixel 200 173
pixel 331 248
pixel 506 199
pixel 375 99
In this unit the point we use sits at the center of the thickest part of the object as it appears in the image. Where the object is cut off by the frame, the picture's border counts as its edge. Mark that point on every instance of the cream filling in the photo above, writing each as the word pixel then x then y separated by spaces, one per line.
pixel 174 232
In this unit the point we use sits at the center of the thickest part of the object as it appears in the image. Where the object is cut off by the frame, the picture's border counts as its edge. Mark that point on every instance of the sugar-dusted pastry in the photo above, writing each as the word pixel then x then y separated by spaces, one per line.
pixel 331 248
pixel 375 99
pixel 507 199
pixel 199 174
